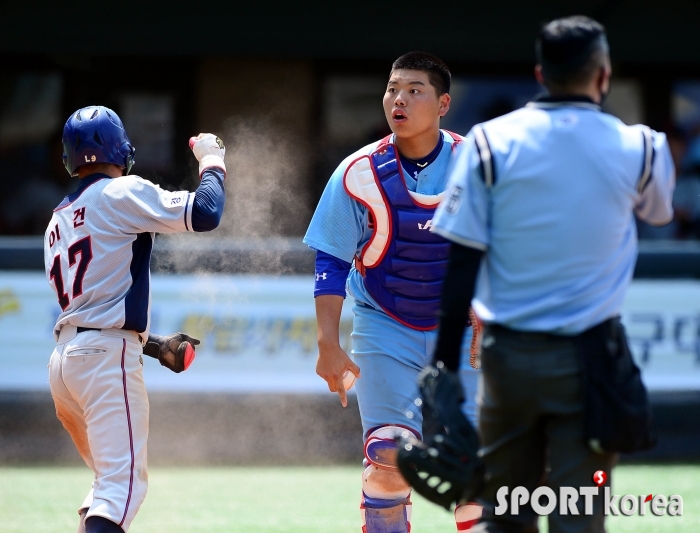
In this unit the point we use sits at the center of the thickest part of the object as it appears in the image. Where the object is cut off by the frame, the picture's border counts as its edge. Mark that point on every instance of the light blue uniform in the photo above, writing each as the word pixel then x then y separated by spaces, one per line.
pixel 389 354
pixel 573 269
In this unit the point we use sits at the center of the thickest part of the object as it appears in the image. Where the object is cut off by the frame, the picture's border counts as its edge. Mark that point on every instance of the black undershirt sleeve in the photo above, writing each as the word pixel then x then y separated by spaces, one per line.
pixel 457 294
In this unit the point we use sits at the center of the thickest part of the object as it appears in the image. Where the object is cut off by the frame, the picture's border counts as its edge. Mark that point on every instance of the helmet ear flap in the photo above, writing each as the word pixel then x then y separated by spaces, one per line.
pixel 65 163
pixel 128 152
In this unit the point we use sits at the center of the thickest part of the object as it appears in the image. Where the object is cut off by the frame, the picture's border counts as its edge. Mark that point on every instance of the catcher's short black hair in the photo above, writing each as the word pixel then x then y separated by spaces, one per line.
pixel 570 50
pixel 438 73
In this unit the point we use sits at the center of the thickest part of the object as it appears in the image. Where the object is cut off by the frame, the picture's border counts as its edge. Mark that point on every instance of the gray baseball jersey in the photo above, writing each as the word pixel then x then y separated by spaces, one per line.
pixel 97 249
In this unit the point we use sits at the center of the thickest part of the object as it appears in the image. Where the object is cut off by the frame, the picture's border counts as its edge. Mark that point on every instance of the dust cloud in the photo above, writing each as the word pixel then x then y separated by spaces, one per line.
pixel 266 212
pixel 266 189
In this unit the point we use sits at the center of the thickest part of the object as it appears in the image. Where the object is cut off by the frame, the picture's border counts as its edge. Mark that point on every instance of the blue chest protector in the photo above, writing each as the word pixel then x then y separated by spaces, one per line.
pixel 407 262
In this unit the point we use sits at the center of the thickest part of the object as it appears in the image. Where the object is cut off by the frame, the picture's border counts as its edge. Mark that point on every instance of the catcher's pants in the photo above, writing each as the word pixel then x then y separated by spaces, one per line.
pixel 390 356
pixel 531 428
pixel 96 380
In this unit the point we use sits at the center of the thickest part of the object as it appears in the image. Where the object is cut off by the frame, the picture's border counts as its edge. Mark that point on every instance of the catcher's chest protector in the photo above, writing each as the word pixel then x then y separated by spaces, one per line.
pixel 404 263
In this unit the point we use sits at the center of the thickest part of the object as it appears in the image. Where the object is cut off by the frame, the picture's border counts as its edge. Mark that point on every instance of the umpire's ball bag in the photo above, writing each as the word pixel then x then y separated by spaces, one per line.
pixel 618 414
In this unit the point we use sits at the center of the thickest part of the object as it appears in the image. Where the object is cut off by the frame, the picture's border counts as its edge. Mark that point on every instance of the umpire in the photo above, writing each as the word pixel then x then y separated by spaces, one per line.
pixel 544 198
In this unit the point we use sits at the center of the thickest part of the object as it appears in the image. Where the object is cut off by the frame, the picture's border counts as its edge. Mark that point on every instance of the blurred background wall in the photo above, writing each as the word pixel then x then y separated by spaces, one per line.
pixel 302 81
pixel 293 87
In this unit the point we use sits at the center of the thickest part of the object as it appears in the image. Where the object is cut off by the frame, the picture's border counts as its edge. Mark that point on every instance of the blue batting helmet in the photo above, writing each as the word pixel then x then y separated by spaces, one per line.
pixel 95 134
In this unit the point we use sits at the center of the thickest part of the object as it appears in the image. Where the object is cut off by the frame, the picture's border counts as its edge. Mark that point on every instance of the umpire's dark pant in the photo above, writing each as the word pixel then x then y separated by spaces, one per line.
pixel 531 428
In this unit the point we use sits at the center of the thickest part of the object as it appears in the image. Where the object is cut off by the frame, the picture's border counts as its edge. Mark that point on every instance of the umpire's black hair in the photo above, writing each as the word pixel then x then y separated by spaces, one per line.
pixel 438 73
pixel 570 50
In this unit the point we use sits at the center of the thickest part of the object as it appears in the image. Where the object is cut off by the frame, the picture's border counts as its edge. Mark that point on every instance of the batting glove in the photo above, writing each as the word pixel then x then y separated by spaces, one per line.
pixel 209 151
pixel 175 352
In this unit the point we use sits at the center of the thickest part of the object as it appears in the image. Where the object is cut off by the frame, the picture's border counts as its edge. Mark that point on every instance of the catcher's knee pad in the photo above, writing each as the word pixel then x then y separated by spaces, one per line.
pixel 381 447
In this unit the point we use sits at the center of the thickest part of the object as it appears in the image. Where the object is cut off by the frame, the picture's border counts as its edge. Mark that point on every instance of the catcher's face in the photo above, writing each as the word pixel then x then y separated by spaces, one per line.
pixel 411 104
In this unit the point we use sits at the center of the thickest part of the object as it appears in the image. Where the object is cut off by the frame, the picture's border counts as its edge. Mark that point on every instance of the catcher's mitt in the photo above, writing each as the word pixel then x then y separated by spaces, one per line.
pixel 444 468
pixel 175 352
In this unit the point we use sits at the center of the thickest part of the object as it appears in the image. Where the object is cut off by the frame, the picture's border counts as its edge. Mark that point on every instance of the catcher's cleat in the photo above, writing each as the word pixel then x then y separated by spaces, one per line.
pixel 445 468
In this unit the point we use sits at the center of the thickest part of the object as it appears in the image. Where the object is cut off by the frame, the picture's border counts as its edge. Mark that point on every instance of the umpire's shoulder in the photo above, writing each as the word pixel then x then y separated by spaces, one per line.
pixel 516 126
pixel 631 136
pixel 520 119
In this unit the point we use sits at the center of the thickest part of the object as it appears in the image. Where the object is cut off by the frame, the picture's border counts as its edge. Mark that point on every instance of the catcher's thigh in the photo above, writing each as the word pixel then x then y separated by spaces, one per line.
pixel 97 384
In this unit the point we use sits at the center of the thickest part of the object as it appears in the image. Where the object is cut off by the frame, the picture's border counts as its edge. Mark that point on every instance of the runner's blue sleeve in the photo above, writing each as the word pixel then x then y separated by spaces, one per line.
pixel 331 275
pixel 209 198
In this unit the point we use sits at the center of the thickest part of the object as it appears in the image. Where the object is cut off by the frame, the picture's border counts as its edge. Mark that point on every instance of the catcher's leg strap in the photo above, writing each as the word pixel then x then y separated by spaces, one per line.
pixel 467 515
pixel 381 446
pixel 385 516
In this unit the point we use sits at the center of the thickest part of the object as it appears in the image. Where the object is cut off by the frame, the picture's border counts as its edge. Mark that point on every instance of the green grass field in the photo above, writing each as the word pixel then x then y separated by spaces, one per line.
pixel 283 500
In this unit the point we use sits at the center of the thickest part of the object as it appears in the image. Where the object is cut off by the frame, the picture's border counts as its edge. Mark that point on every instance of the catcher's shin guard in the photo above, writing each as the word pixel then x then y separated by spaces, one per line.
pixel 386 497
pixel 445 468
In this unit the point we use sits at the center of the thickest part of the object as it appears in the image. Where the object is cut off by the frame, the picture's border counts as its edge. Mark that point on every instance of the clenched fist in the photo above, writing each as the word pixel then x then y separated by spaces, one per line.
pixel 209 151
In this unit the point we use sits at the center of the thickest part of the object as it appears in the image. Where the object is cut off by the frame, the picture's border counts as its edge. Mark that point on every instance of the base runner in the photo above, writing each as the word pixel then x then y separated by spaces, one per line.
pixel 97 252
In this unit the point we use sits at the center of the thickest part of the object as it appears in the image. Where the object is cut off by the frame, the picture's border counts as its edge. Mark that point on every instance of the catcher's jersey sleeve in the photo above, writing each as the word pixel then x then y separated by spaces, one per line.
pixel 97 249
pixel 339 226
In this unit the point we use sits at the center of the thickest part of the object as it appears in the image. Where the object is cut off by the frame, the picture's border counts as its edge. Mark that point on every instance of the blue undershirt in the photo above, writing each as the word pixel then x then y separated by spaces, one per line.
pixel 209 198
pixel 414 166
pixel 331 274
